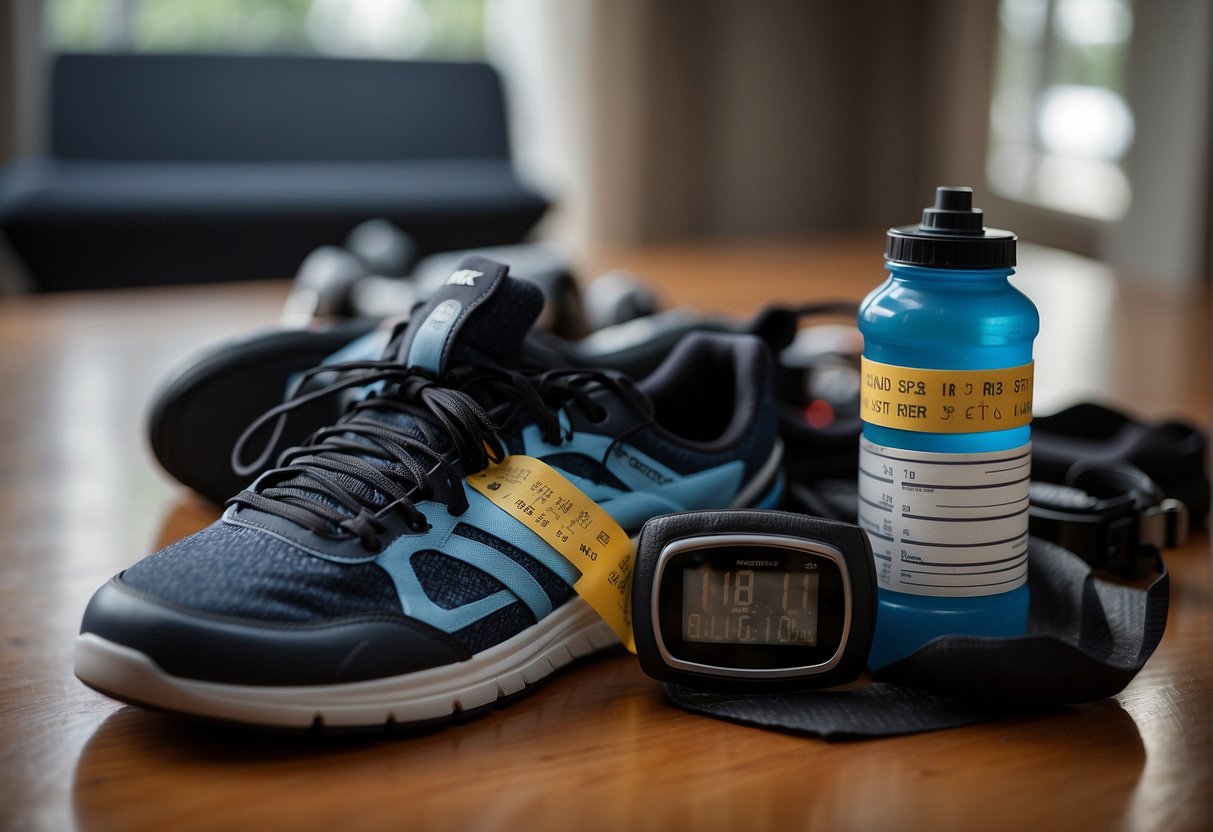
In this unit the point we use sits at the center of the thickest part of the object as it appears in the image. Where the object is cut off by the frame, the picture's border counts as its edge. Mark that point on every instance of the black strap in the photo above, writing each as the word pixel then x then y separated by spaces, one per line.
pixel 1087 638
pixel 1172 453
pixel 878 710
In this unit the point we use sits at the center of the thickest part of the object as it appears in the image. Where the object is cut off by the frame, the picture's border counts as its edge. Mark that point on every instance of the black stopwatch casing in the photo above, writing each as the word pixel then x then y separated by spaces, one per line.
pixel 753 600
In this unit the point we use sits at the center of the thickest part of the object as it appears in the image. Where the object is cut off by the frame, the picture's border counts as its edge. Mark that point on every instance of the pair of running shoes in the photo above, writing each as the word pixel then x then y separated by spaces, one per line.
pixel 354 578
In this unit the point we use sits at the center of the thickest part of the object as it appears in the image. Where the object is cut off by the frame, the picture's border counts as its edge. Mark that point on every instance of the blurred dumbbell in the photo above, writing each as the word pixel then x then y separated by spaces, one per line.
pixel 331 278
pixel 322 286
pixel 616 297
pixel 377 274
pixel 384 248
pixel 390 256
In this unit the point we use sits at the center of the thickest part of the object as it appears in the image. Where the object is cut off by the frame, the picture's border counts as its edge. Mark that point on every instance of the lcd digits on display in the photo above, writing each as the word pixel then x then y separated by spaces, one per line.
pixel 750 606
pixel 752 600
pixel 736 604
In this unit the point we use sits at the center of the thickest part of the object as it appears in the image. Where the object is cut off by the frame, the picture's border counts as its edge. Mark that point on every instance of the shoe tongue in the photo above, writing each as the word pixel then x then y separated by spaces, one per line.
pixel 479 315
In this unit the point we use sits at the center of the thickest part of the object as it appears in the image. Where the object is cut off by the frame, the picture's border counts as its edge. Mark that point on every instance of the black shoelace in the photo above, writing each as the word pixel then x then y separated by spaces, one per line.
pixel 414 439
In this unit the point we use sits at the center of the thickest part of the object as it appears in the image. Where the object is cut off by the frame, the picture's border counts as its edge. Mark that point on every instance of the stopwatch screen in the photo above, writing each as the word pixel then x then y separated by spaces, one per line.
pixel 760 607
pixel 749 605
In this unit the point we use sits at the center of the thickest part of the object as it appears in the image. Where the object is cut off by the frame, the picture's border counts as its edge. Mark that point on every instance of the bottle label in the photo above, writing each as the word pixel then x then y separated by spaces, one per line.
pixel 945 401
pixel 946 524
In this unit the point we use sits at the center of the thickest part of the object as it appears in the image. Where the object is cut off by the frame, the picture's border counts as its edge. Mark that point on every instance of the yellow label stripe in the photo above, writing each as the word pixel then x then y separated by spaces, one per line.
pixel 945 401
pixel 538 496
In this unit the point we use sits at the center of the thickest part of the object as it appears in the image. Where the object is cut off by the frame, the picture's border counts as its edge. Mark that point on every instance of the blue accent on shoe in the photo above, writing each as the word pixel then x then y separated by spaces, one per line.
pixel 432 335
pixel 659 491
pixel 396 560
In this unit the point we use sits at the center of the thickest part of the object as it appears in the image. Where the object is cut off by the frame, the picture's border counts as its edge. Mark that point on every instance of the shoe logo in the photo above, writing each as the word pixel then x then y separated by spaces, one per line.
pixel 463 277
pixel 647 470
pixel 445 311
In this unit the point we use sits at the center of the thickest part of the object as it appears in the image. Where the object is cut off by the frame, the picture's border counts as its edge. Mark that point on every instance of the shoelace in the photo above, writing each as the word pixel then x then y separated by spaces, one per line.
pixel 401 444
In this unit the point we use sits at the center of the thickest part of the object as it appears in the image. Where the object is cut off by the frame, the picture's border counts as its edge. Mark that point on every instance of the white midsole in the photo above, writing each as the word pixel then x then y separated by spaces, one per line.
pixel 572 631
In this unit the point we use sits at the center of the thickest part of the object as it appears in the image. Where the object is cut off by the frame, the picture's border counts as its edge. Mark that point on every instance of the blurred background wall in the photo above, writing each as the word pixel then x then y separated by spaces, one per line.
pixel 1082 124
pixel 725 118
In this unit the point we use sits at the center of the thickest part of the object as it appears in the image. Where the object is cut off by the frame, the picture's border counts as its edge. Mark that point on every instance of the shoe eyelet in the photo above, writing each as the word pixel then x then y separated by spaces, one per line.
pixel 372 545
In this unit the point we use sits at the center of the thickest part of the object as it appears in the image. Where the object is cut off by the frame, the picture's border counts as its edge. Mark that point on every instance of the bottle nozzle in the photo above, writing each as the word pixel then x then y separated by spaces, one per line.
pixel 953 198
pixel 953 212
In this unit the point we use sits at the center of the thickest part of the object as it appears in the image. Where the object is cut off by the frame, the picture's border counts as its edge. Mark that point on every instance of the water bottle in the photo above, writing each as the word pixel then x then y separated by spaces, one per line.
pixel 945 453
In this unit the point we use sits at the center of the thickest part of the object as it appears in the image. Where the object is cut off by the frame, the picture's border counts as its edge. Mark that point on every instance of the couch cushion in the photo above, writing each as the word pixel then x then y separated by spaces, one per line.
pixel 89 224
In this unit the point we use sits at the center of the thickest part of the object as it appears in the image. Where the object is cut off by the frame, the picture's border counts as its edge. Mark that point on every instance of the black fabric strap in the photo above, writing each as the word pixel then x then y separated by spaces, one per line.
pixel 878 710
pixel 1087 638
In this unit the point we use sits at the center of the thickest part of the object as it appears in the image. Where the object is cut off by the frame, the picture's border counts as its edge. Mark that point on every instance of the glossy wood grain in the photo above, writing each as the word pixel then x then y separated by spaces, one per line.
pixel 595 747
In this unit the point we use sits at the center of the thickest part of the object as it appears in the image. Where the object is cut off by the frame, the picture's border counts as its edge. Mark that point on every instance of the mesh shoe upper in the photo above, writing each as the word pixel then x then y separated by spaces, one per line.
pixel 238 571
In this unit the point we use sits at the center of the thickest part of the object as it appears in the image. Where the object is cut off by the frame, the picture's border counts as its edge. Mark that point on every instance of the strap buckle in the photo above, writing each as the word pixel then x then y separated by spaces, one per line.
pixel 1111 514
pixel 1164 526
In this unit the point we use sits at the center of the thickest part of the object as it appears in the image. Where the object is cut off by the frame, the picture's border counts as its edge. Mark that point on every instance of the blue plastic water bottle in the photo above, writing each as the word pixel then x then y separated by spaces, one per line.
pixel 945 453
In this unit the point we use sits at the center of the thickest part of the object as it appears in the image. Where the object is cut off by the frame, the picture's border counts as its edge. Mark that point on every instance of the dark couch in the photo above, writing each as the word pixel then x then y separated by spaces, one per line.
pixel 187 168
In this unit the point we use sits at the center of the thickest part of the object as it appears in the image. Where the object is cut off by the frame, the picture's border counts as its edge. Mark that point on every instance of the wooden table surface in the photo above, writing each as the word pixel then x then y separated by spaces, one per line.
pixel 595 747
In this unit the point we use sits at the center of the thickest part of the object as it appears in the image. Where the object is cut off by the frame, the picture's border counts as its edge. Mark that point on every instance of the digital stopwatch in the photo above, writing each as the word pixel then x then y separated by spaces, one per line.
pixel 751 599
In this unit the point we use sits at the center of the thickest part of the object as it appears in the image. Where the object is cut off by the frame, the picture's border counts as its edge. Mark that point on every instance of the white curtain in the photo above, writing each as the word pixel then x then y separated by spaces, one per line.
pixel 659 119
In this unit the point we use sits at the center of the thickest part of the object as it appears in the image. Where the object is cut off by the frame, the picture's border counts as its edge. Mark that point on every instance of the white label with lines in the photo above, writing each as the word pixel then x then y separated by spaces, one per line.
pixel 946 524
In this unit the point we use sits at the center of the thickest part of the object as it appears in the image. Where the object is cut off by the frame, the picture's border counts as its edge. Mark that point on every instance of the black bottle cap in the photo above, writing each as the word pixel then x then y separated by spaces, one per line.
pixel 951 236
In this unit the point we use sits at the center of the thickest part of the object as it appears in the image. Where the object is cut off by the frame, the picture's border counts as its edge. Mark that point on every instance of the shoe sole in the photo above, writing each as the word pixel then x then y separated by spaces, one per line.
pixel 424 698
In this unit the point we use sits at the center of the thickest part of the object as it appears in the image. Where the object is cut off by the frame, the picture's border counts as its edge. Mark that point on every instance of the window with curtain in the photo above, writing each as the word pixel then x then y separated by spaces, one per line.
pixel 1060 124
pixel 350 28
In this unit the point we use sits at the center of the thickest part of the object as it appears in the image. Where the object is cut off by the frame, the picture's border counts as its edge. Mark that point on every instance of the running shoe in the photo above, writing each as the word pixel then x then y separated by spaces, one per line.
pixel 199 413
pixel 362 583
